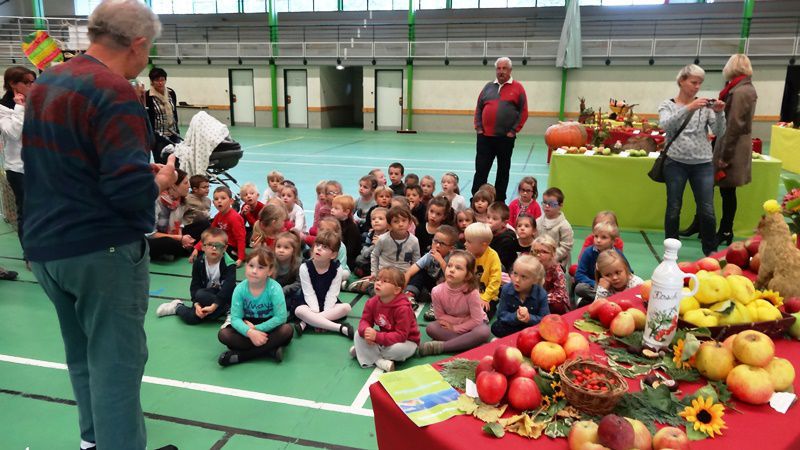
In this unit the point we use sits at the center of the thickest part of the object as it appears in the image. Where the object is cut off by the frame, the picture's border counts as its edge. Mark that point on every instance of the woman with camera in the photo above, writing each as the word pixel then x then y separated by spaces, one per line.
pixel 687 121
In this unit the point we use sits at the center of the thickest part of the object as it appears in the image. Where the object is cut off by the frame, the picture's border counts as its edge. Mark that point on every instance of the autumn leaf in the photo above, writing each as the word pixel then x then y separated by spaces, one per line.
pixel 488 413
pixel 466 403
pixel 569 411
pixel 494 429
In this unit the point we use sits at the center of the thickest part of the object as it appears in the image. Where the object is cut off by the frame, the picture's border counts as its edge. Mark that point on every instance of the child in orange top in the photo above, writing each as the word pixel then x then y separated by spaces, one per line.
pixel 229 221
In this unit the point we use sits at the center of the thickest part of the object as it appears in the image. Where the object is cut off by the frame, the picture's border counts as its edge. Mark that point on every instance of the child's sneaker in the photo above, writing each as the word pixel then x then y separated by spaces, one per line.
pixel 429 315
pixel 226 322
pixel 169 308
pixel 360 286
pixel 385 365
pixel 8 274
pixel 412 300
pixel 352 351
pixel 431 348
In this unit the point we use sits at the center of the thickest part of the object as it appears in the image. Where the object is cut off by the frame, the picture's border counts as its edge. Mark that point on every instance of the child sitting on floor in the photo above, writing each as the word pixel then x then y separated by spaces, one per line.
pixel 294 211
pixel 428 185
pixel 602 216
pixel 398 248
pixel 287 264
pixel 613 274
pixel 398 335
pixel 487 264
pixel 331 223
pixel 504 240
pixel 366 198
pixel 383 199
pixel 213 281
pixel 396 171
pixel 525 204
pixel 379 176
pixel 480 204
pixel 198 205
pixel 428 271
pixel 523 301
pixel 438 213
pixel 230 222
pixel 321 281
pixel 526 233
pixel 464 219
pixel 555 283
pixel 461 322
pixel 275 180
pixel 379 227
pixel 451 190
pixel 257 325
pixel 342 210
pixel 250 207
pixel 418 209
pixel 271 221
pixel 554 224
pixel 585 288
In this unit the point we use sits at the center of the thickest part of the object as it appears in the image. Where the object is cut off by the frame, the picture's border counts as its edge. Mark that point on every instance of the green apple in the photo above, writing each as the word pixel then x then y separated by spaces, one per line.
pixel 794 331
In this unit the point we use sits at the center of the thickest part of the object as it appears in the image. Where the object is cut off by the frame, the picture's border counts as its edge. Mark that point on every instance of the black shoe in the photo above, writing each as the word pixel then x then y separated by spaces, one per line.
pixel 725 237
pixel 228 358
pixel 168 447
pixel 347 330
pixel 694 228
pixel 8 274
pixel 298 329
pixel 277 354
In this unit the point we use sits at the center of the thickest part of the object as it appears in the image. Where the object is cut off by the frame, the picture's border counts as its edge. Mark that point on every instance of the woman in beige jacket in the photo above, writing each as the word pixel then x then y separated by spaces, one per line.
pixel 732 150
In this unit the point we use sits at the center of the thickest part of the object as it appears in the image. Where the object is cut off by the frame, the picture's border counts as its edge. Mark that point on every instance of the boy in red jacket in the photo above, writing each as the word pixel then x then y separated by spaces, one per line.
pixel 390 310
pixel 229 221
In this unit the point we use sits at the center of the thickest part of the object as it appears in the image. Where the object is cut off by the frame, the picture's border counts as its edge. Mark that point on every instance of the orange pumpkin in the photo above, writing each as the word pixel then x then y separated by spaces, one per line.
pixel 565 134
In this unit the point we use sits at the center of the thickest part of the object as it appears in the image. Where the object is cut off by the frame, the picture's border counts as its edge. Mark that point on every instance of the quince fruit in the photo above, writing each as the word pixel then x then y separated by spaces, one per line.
pixel 688 304
pixel 702 317
pixel 764 310
pixel 739 314
pixel 741 288
pixel 712 289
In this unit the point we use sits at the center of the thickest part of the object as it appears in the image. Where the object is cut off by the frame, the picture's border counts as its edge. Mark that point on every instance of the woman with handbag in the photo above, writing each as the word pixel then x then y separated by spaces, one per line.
pixel 733 150
pixel 687 121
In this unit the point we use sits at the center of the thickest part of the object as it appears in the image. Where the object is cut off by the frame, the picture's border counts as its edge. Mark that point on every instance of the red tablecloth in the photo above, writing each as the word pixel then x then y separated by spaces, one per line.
pixel 757 427
pixel 622 136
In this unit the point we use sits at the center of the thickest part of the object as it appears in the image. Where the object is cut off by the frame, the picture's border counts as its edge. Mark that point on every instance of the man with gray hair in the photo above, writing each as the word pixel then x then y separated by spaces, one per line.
pixel 501 112
pixel 89 195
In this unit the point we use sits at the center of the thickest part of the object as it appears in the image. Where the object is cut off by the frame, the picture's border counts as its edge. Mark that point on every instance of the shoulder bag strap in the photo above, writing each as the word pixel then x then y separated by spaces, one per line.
pixel 683 125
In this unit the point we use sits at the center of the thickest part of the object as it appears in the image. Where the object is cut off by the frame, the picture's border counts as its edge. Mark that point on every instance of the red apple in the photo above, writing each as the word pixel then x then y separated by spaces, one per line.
pixel 576 343
pixel 755 263
pixel 615 432
pixel 594 307
pixel 731 269
pixel 486 363
pixel 670 438
pixel 709 264
pixel 523 394
pixel 507 359
pixel 737 254
pixel 625 304
pixel 752 244
pixel 527 339
pixel 608 312
pixel 554 329
pixel 792 305
pixel 623 324
pixel 491 387
pixel 688 267
pixel 750 384
pixel 548 355
pixel 525 371
pixel 643 440
pixel 644 289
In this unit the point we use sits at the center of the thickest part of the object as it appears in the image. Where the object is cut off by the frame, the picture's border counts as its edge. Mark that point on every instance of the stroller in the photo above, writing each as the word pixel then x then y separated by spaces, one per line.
pixel 208 149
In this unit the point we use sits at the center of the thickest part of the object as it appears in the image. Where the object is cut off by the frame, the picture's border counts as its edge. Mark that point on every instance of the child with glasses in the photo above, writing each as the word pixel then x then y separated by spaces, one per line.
pixel 426 273
pixel 554 224
pixel 555 283
pixel 213 281
pixel 525 204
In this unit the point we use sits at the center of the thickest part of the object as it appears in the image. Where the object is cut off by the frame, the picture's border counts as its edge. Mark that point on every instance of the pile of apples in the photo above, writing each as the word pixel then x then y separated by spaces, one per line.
pixel 710 306
pixel 506 372
pixel 621 317
pixel 747 363
pixel 623 433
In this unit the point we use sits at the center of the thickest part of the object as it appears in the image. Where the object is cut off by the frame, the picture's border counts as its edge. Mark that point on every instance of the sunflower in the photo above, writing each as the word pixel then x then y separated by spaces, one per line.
pixel 558 393
pixel 773 297
pixel 676 358
pixel 706 416
pixel 546 402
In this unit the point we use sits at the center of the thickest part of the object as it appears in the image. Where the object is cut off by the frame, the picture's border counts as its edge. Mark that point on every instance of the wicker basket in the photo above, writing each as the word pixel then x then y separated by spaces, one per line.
pixel 589 401
pixel 772 328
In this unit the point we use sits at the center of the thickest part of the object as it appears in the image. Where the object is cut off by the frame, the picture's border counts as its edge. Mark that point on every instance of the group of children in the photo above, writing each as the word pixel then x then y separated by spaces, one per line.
pixel 403 244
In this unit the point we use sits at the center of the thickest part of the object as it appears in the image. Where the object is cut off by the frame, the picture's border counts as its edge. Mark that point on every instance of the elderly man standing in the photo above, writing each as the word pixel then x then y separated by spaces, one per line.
pixel 501 112
pixel 89 195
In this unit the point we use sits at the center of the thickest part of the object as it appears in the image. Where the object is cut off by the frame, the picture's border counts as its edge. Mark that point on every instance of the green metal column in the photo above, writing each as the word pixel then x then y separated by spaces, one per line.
pixel 340 5
pixel 747 17
pixel 38 13
pixel 409 103
pixel 561 115
pixel 273 69
pixel 448 4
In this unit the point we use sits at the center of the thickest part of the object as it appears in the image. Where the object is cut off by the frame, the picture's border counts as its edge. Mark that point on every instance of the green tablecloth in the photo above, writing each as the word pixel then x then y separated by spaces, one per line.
pixel 785 145
pixel 594 183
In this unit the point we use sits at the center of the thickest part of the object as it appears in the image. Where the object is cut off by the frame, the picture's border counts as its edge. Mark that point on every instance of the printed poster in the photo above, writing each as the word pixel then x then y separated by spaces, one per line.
pixel 422 394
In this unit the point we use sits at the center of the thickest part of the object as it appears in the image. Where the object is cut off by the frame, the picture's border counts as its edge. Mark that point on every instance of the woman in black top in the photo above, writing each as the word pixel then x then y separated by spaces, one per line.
pixel 161 103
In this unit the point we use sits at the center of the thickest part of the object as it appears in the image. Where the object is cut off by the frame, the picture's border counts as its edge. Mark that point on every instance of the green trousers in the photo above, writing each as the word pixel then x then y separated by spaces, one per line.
pixel 101 300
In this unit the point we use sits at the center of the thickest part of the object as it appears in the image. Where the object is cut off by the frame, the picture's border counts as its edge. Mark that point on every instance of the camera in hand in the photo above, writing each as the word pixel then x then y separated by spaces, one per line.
pixel 711 103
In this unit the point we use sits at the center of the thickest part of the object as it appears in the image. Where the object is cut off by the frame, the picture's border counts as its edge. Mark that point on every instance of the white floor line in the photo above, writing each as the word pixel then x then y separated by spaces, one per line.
pixel 273 143
pixel 211 389
pixel 383 158
pixel 363 394
pixel 408 168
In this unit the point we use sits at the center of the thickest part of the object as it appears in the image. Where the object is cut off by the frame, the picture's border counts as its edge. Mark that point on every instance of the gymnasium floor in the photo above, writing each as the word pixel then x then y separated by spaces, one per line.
pixel 317 398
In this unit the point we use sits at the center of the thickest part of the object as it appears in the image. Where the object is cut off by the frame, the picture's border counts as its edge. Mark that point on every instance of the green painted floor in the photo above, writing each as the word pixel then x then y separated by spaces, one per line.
pixel 312 399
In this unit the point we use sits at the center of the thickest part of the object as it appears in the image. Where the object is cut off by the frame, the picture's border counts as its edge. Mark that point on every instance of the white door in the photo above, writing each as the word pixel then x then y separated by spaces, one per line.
pixel 389 99
pixel 242 97
pixel 296 98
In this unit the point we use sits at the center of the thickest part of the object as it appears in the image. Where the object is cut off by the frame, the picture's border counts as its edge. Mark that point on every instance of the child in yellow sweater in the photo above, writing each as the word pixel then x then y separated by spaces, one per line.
pixel 477 237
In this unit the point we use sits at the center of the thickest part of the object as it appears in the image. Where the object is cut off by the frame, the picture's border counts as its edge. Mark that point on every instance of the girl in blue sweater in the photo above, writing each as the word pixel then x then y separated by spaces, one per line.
pixel 257 325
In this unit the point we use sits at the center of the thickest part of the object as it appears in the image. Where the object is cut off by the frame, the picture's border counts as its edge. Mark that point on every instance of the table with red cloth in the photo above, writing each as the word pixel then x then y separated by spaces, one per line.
pixel 755 427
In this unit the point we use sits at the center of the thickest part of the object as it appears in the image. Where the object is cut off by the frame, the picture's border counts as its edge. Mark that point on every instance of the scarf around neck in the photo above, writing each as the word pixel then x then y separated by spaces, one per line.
pixel 723 94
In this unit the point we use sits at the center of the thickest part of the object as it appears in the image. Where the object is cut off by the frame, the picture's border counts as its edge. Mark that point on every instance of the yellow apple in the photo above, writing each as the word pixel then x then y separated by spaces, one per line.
pixel 728 342
pixel 754 348
pixel 781 374
pixel 702 317
pixel 582 432
pixel 750 384
pixel 765 311
pixel 642 440
pixel 639 317
pixel 794 331
pixel 712 289
pixel 713 360
pixel 688 304
pixel 741 289
pixel 623 324
pixel 576 343
pixel 740 314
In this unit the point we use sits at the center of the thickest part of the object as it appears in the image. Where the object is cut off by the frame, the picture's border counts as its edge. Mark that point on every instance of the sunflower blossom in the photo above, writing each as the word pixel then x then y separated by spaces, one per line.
pixel 677 349
pixel 705 416
pixel 772 296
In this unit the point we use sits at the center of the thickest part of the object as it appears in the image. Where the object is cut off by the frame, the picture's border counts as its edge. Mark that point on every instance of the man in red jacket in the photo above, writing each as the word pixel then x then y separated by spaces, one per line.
pixel 500 114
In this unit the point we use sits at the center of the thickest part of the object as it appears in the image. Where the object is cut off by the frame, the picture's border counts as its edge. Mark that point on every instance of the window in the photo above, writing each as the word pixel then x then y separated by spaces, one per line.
pixel 159 6
pixel 319 5
pixel 355 5
pixel 205 6
pixel 402 5
pixel 282 5
pixel 432 4
pixel 494 3
pixel 590 2
pixel 227 6
pixel 550 3
pixel 521 3
pixel 464 4
pixel 255 6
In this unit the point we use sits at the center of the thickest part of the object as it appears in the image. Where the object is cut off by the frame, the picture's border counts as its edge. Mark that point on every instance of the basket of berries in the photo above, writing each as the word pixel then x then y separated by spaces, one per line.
pixel 591 387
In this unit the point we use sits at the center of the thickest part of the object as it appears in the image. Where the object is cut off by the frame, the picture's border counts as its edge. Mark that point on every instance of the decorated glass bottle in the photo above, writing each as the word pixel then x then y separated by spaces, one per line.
pixel 665 298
